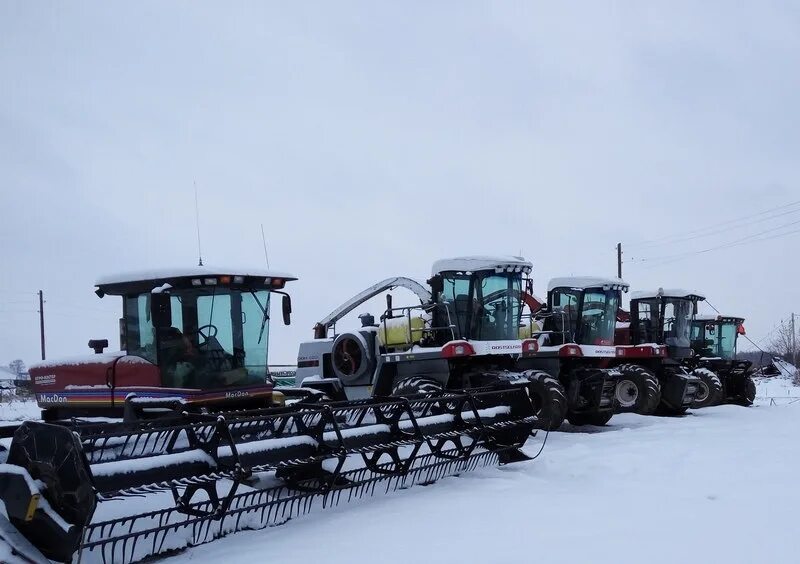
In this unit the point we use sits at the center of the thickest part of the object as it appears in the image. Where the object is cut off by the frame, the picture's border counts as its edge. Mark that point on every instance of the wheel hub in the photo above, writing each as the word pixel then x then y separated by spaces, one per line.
pixel 702 392
pixel 627 393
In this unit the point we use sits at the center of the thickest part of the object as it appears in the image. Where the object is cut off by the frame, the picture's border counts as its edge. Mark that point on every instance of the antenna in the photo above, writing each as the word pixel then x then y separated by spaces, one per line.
pixel 197 222
pixel 264 241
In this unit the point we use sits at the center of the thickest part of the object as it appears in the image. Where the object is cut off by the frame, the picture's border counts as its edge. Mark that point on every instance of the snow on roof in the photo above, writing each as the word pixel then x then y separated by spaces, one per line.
pixel 476 263
pixel 181 272
pixel 584 282
pixel 667 293
pixel 717 317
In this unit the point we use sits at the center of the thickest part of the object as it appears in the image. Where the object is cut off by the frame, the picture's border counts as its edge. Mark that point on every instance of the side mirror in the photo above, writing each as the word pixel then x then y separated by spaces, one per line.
pixel 286 305
pixel 694 307
pixel 436 283
pixel 160 311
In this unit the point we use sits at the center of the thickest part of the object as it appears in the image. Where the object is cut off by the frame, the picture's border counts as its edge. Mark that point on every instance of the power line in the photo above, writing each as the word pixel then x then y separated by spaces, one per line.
pixel 683 238
pixel 754 238
pixel 717 225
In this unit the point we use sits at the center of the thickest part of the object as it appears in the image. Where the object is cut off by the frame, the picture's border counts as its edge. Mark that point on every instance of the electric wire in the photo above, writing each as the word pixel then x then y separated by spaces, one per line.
pixel 753 238
pixel 701 232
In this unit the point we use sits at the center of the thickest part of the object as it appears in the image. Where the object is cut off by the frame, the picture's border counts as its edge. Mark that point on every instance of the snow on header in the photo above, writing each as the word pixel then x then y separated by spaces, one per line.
pixel 667 293
pixel 180 272
pixel 506 263
pixel 584 282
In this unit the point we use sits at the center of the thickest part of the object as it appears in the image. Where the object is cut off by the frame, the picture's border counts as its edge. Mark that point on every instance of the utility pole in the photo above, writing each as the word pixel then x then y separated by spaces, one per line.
pixel 619 260
pixel 794 344
pixel 41 320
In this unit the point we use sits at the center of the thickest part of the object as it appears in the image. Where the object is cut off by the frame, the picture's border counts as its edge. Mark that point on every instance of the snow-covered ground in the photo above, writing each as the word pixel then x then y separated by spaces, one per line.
pixel 18 410
pixel 717 485
pixel 779 388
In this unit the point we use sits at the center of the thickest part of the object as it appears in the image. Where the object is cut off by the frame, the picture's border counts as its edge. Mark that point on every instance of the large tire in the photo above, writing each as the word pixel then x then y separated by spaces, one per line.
pixel 710 391
pixel 416 385
pixel 548 397
pixel 664 409
pixel 638 391
pixel 591 418
pixel 749 396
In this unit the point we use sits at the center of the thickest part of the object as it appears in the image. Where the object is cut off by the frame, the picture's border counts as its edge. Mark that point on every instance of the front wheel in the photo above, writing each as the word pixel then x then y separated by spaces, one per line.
pixel 548 397
pixel 638 390
pixel 749 395
pixel 593 418
pixel 416 385
pixel 709 390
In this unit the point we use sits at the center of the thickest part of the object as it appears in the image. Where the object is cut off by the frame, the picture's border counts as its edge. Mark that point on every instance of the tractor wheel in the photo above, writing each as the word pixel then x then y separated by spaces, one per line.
pixel 548 397
pixel 749 395
pixel 709 391
pixel 664 409
pixel 416 385
pixel 591 418
pixel 638 390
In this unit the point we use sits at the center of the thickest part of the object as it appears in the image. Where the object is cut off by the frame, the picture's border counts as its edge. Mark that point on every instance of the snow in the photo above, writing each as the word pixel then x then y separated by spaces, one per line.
pixel 786 369
pixel 19 410
pixel 778 389
pixel 666 293
pixel 161 289
pixel 178 272
pixel 127 466
pixel 584 282
pixel 477 263
pixel 675 482
pixel 79 360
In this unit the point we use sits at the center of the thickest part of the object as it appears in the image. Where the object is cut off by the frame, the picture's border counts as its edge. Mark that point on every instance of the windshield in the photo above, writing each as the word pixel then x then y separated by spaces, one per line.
pixel 217 337
pixel 598 317
pixel 484 306
pixel 678 313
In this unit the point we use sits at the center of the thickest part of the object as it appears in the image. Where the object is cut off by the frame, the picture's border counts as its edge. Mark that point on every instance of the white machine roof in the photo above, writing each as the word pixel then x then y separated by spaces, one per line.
pixel 499 263
pixel 584 282
pixel 666 293
pixel 179 272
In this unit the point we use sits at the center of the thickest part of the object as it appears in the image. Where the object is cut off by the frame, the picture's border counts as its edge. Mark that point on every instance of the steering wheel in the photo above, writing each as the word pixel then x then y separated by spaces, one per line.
pixel 210 332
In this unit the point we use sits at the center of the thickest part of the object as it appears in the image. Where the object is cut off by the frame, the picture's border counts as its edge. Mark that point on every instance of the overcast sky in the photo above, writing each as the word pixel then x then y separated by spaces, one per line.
pixel 371 138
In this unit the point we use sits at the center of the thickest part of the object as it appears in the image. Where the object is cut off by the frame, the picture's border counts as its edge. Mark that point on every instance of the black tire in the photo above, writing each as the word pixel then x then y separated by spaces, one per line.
pixel 749 396
pixel 710 390
pixel 592 418
pixel 664 409
pixel 416 385
pixel 548 397
pixel 638 390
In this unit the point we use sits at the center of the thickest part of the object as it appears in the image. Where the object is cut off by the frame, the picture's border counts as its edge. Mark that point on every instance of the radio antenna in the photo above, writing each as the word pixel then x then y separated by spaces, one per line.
pixel 264 241
pixel 197 223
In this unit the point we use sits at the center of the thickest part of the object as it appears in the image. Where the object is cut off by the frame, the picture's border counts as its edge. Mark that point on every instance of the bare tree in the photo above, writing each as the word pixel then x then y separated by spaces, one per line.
pixel 17 367
pixel 782 344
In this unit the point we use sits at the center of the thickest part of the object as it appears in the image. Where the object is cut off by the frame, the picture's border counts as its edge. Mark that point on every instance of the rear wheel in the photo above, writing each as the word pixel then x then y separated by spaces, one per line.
pixel 415 385
pixel 664 409
pixel 548 397
pixel 709 391
pixel 592 418
pixel 749 395
pixel 638 390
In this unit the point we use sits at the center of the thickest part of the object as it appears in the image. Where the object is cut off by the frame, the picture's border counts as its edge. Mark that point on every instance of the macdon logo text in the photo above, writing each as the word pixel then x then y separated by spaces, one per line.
pixel 52 398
